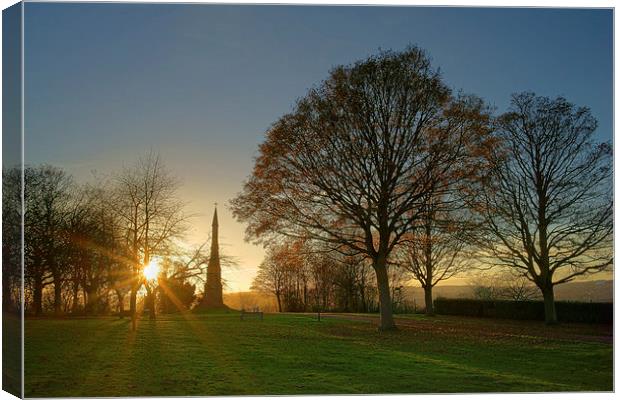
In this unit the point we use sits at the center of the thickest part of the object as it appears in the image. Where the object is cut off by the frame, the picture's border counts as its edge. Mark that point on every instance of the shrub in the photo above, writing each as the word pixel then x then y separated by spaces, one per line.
pixel 530 310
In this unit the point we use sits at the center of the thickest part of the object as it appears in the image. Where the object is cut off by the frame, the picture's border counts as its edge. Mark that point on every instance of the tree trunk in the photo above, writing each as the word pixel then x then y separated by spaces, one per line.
pixel 385 304
pixel 132 307
pixel 550 314
pixel 428 256
pixel 92 300
pixel 57 295
pixel 75 301
pixel 279 303
pixel 37 298
pixel 363 299
pixel 121 303
pixel 428 300
pixel 7 303
pixel 150 302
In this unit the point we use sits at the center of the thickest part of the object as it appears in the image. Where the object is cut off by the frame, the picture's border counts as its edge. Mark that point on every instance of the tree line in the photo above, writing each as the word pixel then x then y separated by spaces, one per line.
pixel 304 277
pixel 86 245
pixel 382 161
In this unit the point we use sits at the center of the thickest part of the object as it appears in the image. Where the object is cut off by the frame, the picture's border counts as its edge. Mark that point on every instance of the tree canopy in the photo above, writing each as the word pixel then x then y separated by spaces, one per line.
pixel 351 164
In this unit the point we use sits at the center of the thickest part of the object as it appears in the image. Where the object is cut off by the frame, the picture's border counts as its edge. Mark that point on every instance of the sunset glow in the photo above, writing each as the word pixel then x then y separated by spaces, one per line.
pixel 151 270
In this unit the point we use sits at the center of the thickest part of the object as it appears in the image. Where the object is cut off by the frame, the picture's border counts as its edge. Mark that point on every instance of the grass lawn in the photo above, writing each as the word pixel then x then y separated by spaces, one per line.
pixel 11 354
pixel 295 354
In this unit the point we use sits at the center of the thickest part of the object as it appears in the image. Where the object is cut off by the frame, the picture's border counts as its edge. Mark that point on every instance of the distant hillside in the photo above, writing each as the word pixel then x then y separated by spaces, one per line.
pixel 249 300
pixel 587 291
pixel 596 291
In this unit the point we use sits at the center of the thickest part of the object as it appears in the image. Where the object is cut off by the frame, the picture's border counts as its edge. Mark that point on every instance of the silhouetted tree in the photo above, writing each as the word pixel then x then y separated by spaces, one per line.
pixel 438 244
pixel 305 276
pixel 438 248
pixel 176 294
pixel 547 203
pixel 176 285
pixel 11 238
pixel 80 251
pixel 152 216
pixel 47 196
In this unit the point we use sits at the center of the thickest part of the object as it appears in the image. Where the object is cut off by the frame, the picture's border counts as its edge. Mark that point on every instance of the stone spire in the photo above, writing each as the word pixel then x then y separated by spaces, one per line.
pixel 213 287
pixel 215 246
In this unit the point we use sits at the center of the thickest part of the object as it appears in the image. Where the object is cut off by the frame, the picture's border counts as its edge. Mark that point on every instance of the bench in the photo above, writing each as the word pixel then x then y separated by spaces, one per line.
pixel 257 314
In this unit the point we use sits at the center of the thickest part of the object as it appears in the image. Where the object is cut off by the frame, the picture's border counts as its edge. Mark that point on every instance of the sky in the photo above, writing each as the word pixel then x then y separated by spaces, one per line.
pixel 200 84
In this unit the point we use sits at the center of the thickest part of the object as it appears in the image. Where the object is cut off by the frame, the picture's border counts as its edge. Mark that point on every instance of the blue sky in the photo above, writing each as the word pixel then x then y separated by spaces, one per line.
pixel 201 83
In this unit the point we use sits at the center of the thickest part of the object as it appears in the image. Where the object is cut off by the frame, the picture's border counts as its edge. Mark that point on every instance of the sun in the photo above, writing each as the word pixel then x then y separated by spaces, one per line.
pixel 151 270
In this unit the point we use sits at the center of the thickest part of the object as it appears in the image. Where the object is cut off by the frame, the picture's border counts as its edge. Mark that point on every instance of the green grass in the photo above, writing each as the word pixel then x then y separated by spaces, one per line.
pixel 288 354
pixel 11 354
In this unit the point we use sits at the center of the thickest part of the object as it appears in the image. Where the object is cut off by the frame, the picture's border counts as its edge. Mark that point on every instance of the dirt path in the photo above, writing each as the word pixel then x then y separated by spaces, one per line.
pixel 493 328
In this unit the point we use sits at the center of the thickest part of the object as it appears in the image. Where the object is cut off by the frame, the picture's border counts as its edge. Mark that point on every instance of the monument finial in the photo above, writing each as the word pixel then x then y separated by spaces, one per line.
pixel 215 224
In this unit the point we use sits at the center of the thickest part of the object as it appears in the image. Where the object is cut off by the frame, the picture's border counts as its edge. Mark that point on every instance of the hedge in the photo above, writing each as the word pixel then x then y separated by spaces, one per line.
pixel 567 311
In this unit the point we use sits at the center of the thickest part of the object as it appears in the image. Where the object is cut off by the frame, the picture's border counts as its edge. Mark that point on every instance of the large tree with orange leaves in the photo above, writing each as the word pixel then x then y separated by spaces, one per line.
pixel 352 162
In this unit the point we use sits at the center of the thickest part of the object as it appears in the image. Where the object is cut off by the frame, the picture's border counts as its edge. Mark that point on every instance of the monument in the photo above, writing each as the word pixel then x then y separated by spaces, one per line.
pixel 213 287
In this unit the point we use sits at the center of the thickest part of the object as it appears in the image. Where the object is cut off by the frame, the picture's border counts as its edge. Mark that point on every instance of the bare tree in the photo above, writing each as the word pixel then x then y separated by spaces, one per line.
pixel 520 289
pixel 80 228
pixel 95 255
pixel 438 248
pixel 439 245
pixel 109 263
pixel 503 285
pixel 352 162
pixel 152 216
pixel 547 203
